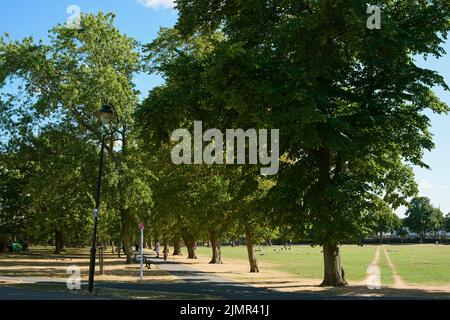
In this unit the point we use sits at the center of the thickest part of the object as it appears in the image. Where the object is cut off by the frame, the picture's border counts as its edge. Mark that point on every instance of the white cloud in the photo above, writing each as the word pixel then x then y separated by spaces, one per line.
pixel 424 184
pixel 157 4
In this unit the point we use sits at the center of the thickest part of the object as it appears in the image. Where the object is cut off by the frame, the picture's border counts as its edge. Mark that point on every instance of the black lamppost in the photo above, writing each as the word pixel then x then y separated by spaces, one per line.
pixel 106 114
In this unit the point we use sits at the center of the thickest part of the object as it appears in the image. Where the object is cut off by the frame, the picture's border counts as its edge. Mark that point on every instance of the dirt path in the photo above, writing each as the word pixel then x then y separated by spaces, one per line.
pixel 398 282
pixel 374 263
pixel 376 257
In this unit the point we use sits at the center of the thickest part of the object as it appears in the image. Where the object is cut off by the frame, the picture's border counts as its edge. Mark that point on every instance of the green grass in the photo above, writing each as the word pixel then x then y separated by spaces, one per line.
pixel 416 264
pixel 385 270
pixel 305 261
pixel 356 259
pixel 422 264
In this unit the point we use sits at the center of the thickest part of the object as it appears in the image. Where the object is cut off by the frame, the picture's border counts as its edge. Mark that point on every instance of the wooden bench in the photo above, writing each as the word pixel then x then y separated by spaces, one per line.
pixel 148 262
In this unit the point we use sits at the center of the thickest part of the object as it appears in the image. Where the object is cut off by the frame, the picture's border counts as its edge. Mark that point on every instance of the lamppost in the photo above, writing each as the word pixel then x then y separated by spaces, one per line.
pixel 106 114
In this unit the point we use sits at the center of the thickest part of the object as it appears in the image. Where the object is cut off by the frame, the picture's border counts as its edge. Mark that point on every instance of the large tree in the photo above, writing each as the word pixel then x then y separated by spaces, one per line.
pixel 423 218
pixel 349 101
pixel 72 77
pixel 385 220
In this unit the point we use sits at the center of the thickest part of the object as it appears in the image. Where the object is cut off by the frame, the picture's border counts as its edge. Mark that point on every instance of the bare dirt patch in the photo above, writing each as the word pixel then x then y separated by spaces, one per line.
pixel 43 264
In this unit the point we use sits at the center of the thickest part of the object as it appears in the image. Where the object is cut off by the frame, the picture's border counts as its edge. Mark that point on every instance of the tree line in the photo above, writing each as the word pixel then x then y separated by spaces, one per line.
pixel 349 103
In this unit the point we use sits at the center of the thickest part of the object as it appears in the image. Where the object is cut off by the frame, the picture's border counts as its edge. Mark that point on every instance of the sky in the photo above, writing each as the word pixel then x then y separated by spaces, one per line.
pixel 142 19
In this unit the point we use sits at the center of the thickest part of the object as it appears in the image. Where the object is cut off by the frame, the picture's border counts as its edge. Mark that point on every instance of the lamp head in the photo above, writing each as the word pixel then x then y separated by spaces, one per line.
pixel 106 114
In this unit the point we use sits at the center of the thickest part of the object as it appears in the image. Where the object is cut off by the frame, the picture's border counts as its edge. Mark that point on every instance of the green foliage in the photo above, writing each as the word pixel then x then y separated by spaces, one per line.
pixel 67 81
pixel 447 222
pixel 351 105
pixel 423 218
pixel 348 102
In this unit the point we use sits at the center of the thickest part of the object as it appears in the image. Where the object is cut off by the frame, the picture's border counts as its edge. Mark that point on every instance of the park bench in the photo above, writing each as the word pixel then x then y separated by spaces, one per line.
pixel 146 260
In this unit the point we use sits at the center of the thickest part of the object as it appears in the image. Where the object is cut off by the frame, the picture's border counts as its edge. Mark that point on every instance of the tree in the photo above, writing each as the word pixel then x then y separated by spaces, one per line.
pixel 54 171
pixel 72 77
pixel 386 221
pixel 173 105
pixel 14 200
pixel 447 222
pixel 348 101
pixel 423 218
pixel 249 208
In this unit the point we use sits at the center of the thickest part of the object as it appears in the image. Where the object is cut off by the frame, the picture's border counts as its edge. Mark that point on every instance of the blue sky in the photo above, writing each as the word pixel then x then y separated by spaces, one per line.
pixel 142 19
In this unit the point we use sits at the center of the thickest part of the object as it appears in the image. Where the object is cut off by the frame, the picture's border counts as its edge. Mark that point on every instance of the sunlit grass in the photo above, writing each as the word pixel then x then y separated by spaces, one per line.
pixel 385 270
pixel 304 261
pixel 422 264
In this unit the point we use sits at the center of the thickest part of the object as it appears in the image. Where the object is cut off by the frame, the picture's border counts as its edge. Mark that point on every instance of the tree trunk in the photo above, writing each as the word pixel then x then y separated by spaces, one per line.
pixel 333 273
pixel 126 233
pixel 166 248
pixel 381 237
pixel 155 241
pixel 250 250
pixel 62 242
pixel 215 246
pixel 190 245
pixel 58 241
pixel 176 247
pixel 189 241
pixel 191 250
pixel 100 257
pixel 127 249
pixel 149 243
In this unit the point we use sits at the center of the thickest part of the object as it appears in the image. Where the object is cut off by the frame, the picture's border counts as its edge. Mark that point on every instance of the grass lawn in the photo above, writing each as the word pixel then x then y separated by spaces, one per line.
pixel 422 264
pixel 385 270
pixel 415 264
pixel 304 261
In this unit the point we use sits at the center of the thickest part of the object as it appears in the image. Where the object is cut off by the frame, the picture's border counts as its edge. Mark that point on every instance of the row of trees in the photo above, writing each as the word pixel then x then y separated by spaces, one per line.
pixel 348 102
pixel 421 218
pixel 424 219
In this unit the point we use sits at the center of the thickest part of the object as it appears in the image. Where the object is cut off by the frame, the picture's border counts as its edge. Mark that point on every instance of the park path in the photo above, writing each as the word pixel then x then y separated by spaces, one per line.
pixel 187 273
pixel 398 281
pixel 376 257
pixel 373 264
pixel 34 280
